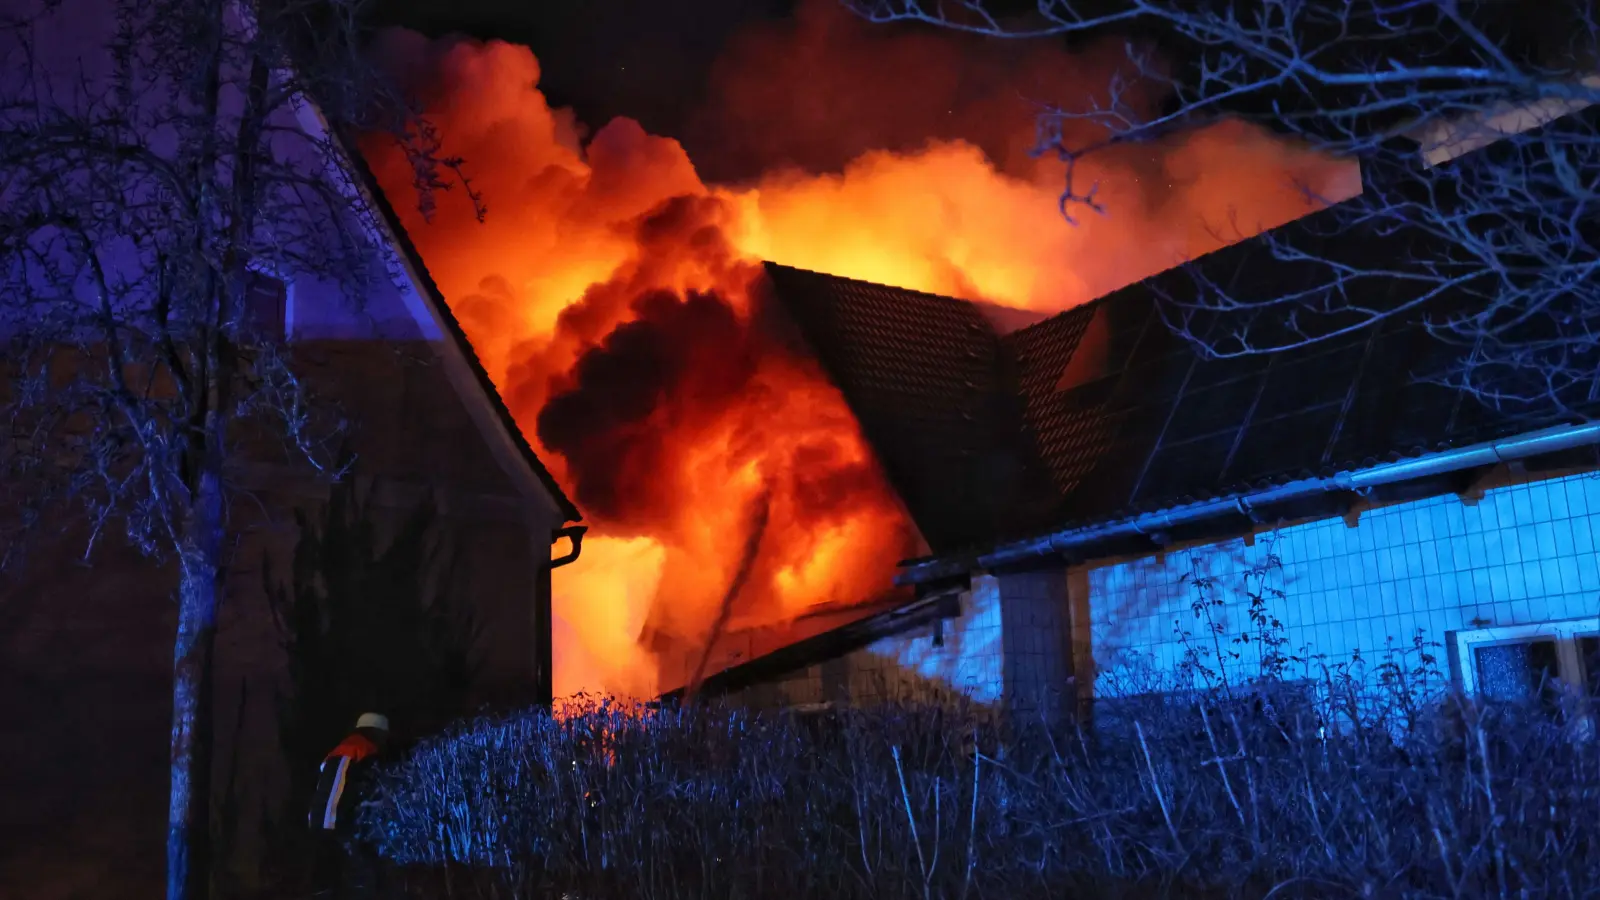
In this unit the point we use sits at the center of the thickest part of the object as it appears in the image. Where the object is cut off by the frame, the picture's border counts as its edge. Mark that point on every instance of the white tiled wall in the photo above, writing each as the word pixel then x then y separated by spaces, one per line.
pixel 1004 644
pixel 970 659
pixel 1525 553
pixel 1008 644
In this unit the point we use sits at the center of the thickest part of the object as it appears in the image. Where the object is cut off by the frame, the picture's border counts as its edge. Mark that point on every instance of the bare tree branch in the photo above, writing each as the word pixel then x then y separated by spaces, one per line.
pixel 143 188
pixel 1480 152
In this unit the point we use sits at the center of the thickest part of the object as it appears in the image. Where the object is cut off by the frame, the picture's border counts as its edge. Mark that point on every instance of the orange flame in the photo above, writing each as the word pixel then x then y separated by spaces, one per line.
pixel 609 295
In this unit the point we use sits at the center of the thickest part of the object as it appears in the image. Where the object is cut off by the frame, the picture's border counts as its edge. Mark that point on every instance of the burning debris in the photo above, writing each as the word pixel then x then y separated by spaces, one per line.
pixel 614 296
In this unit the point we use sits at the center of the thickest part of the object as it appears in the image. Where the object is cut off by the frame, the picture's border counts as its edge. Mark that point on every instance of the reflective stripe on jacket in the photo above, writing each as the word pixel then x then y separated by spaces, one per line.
pixel 333 778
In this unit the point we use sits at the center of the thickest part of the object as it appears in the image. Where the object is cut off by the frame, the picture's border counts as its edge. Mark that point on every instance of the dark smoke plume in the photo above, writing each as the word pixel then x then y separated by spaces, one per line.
pixel 683 360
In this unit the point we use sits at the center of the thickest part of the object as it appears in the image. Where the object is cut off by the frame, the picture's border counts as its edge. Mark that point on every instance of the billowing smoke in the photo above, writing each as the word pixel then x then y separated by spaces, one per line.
pixel 680 364
pixel 819 90
pixel 610 292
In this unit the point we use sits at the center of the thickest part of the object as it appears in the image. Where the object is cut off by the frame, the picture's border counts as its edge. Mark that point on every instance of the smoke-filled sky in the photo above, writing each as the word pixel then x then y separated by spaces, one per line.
pixel 649 61
pixel 674 65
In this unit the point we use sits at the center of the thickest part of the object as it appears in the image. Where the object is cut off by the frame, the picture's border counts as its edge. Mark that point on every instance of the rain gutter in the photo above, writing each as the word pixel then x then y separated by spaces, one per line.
pixel 573 533
pixel 1067 541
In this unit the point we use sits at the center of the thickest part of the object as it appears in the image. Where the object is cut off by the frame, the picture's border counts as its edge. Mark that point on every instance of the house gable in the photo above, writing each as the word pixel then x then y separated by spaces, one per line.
pixel 435 324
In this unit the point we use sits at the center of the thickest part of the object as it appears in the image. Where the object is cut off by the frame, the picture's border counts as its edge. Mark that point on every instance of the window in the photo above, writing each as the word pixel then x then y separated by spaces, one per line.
pixel 266 307
pixel 1091 358
pixel 1530 662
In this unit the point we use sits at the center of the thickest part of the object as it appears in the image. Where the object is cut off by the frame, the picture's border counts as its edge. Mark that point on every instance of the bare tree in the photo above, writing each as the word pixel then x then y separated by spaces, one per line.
pixel 1480 162
pixel 145 189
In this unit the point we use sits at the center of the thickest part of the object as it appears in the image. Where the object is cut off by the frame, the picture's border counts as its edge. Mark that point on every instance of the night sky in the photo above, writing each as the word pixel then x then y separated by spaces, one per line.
pixel 646 59
pixel 651 60
pixel 656 61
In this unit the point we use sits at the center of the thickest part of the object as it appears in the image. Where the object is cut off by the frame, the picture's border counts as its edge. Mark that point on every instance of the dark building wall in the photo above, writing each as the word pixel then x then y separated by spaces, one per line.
pixel 85 698
pixel 85 650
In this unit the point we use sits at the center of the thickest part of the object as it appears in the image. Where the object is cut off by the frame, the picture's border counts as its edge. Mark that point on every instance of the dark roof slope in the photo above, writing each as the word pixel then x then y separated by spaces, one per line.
pixel 927 380
pixel 453 330
pixel 1165 425
pixel 772 653
pixel 1146 422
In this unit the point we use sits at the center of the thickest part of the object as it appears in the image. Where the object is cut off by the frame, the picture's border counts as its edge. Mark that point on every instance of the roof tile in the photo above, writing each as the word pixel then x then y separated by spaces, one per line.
pixel 927 380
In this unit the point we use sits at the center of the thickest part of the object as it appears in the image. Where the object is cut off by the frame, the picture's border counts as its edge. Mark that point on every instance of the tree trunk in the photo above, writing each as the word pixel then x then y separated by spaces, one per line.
pixel 189 808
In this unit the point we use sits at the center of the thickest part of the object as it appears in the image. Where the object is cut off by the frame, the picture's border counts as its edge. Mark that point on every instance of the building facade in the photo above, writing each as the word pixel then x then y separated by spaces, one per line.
pixel 1501 586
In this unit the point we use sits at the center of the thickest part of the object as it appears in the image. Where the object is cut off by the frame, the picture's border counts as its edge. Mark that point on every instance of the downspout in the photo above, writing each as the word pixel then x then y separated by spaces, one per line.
pixel 1535 443
pixel 544 687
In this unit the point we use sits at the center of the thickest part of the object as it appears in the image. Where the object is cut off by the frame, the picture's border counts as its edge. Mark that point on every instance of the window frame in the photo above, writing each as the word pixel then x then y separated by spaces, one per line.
pixel 278 274
pixel 1565 633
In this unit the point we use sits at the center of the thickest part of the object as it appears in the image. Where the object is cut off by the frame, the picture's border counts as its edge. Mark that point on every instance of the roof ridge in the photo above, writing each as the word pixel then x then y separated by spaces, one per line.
pixel 769 265
pixel 931 295
pixel 1101 301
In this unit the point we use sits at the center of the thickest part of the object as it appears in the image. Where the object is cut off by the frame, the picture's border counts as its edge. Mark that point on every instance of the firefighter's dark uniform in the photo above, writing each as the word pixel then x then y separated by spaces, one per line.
pixel 333 804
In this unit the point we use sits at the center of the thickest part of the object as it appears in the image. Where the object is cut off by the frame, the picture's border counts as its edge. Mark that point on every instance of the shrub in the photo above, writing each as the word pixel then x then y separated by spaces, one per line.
pixel 1197 795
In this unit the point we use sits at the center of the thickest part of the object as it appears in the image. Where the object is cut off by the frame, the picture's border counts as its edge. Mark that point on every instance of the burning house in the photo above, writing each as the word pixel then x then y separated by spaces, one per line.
pixel 757 447
pixel 1098 494
pixel 619 301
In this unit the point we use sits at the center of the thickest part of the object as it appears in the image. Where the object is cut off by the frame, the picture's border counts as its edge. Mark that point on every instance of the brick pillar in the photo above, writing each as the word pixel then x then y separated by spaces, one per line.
pixel 1036 640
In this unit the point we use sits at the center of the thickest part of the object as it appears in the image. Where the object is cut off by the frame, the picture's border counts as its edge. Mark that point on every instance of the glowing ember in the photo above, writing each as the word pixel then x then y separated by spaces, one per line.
pixel 610 296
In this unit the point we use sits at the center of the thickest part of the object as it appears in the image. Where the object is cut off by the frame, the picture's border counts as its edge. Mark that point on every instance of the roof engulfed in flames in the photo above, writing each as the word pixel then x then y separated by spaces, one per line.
pixel 613 297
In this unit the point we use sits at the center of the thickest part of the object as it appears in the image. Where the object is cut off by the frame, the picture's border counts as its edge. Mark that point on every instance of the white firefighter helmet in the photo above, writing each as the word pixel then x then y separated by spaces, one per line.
pixel 375 721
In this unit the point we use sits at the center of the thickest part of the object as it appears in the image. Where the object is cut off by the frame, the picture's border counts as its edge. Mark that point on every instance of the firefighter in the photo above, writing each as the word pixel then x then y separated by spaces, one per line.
pixel 333 803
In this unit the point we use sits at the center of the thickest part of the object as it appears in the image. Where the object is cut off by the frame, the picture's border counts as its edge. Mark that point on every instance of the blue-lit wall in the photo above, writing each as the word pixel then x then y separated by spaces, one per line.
pixel 1009 643
pixel 1524 553
pixel 970 657
pixel 967 656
